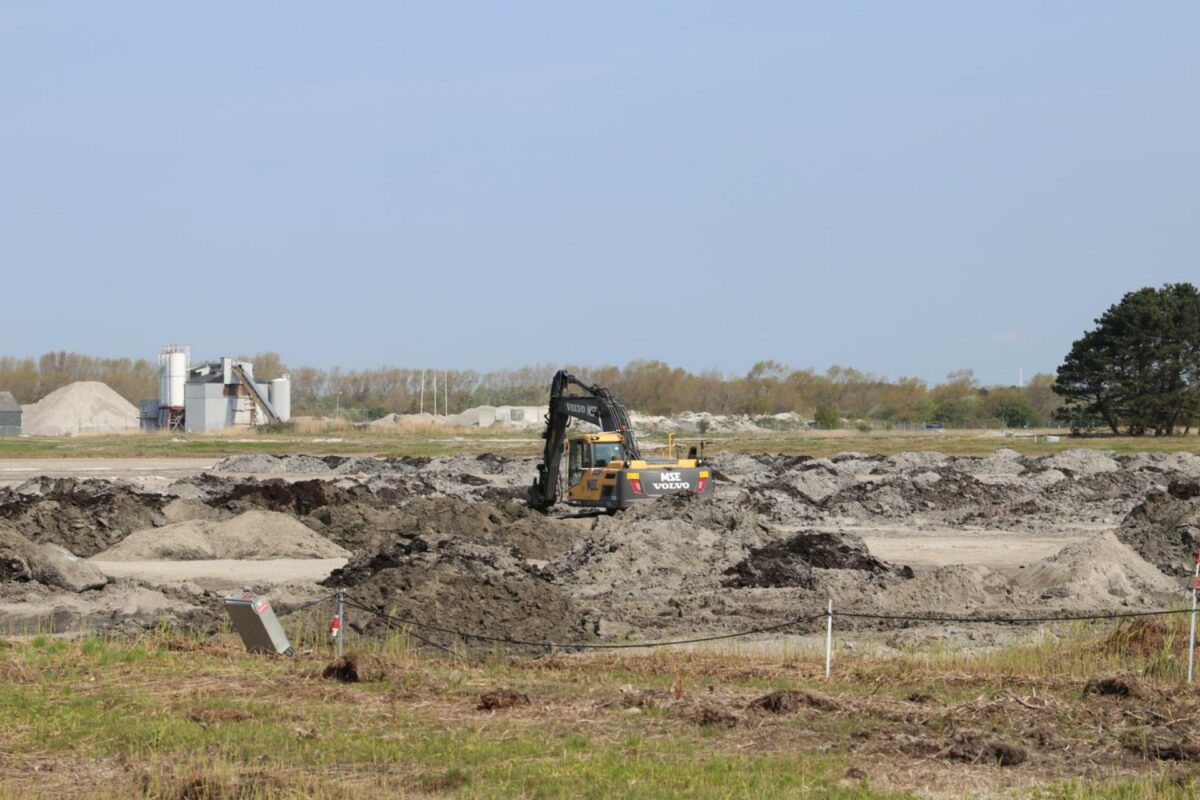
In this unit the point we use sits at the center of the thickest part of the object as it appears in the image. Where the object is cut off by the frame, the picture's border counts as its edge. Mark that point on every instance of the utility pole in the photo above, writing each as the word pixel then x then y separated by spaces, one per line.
pixel 422 391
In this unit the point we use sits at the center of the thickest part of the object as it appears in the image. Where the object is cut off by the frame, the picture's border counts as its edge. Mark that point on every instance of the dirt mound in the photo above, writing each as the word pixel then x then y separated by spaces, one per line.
pixel 501 698
pixel 367 516
pixel 440 541
pixel 935 490
pixel 1082 462
pixel 85 516
pixel 1164 528
pixel 119 607
pixel 789 701
pixel 509 525
pixel 84 407
pixel 442 475
pixel 266 464
pixel 1098 573
pixel 22 561
pixel 456 584
pixel 790 562
pixel 654 549
pixel 950 590
pixel 814 481
pixel 275 494
pixel 254 535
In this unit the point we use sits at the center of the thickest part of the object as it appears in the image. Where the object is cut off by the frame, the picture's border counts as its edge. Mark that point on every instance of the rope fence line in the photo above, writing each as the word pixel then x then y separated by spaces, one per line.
pixel 1086 616
pixel 547 645
pixel 312 603
pixel 412 626
pixel 337 629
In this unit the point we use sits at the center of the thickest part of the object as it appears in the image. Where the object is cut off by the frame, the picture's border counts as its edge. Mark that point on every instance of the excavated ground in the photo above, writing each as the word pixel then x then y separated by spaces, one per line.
pixel 448 542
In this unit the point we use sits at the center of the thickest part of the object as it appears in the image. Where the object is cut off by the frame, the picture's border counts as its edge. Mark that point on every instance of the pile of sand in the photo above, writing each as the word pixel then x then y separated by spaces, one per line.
pixel 1097 572
pixel 254 535
pixel 952 589
pixel 84 407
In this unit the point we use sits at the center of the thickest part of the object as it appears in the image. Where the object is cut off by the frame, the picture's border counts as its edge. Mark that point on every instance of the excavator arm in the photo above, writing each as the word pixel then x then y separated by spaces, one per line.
pixel 597 406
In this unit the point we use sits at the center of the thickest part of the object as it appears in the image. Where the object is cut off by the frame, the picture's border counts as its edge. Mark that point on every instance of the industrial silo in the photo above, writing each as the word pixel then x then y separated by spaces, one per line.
pixel 172 379
pixel 172 375
pixel 281 397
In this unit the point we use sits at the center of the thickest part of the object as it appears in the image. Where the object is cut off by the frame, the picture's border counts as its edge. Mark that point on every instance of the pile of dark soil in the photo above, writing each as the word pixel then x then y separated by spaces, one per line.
pixel 501 524
pixel 84 516
pixel 790 562
pixel 300 498
pixel 1165 528
pixel 369 526
pixel 452 583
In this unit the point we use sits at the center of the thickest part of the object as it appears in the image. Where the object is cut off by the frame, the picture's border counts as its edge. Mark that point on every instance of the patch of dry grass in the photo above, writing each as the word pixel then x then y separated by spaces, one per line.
pixel 337 437
pixel 174 717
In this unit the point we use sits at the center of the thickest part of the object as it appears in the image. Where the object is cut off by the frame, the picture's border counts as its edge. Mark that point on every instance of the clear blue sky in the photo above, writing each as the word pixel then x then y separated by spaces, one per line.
pixel 907 188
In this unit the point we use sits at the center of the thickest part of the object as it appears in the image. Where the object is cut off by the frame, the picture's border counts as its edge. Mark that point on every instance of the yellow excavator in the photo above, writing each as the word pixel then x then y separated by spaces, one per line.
pixel 607 469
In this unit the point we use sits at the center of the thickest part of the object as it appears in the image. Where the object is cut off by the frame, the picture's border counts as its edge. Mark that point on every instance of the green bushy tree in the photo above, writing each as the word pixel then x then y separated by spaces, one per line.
pixel 1139 367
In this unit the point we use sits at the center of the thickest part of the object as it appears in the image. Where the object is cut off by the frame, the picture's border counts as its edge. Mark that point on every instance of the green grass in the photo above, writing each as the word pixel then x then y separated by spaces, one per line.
pixel 437 441
pixel 176 716
pixel 162 445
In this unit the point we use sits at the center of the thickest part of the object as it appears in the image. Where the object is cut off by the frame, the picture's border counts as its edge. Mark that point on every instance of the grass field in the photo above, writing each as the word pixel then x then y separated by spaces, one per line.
pixel 443 441
pixel 174 717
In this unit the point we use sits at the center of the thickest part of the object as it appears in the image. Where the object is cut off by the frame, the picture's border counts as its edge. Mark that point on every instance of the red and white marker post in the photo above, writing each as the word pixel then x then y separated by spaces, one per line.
pixel 335 627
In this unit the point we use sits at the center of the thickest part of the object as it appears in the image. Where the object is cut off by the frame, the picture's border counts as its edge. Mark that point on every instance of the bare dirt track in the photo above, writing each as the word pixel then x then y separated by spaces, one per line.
pixel 447 541
pixel 143 471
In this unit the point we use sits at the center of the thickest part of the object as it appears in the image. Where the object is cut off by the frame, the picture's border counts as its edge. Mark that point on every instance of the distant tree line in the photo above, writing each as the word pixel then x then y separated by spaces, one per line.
pixel 1137 372
pixel 839 394
pixel 32 379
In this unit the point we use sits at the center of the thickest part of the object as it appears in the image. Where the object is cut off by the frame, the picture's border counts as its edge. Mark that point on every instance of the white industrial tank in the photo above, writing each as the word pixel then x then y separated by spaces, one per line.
pixel 177 367
pixel 281 397
pixel 172 375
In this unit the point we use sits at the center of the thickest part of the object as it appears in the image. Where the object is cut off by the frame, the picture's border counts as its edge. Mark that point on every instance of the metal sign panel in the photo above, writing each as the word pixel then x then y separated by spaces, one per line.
pixel 256 623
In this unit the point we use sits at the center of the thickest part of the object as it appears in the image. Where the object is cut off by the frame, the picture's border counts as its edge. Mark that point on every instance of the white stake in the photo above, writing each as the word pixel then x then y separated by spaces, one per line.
pixel 829 638
pixel 1192 634
pixel 341 615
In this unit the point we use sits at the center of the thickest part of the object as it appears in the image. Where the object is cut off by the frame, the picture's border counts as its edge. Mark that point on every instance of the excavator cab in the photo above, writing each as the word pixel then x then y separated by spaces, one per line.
pixel 592 452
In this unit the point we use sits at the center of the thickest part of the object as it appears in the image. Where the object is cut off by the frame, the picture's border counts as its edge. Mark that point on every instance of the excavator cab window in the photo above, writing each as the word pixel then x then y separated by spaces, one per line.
pixel 575 462
pixel 604 452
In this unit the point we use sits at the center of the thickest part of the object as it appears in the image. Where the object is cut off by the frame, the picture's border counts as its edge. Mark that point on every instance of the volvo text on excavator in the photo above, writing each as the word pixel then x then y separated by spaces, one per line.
pixel 606 469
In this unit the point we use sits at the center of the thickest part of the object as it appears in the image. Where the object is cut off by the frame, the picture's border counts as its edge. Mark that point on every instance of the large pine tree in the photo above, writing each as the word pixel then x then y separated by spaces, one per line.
pixel 1139 367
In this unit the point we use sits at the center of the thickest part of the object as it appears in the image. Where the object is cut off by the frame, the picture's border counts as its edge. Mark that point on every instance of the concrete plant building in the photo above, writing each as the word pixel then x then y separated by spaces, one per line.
pixel 214 395
pixel 224 394
pixel 10 415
